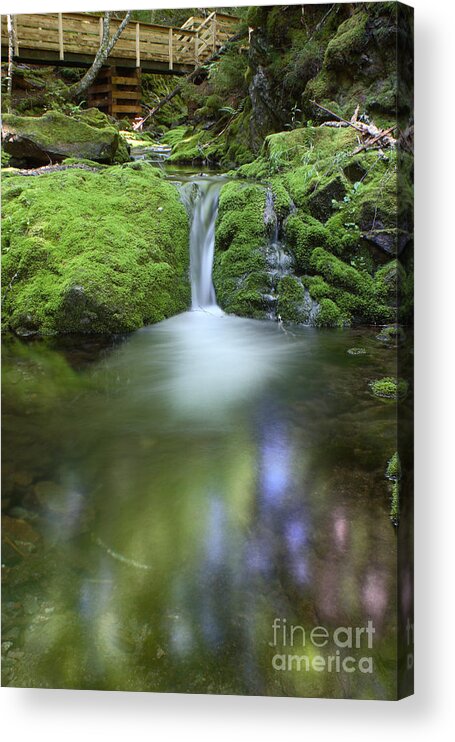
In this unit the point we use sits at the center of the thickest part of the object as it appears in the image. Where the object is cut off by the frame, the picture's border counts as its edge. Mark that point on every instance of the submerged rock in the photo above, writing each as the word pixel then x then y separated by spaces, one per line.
pixel 34 141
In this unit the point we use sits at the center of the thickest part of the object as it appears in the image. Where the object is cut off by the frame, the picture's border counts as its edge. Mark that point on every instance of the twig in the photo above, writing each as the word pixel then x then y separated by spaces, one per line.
pixel 379 136
pixel 348 123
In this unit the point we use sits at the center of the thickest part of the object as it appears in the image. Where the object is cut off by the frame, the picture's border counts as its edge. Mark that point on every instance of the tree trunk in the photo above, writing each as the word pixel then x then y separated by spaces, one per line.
pixel 102 54
pixel 9 88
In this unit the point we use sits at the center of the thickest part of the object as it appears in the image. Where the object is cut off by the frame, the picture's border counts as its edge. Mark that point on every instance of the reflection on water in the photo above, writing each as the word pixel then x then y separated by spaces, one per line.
pixel 168 498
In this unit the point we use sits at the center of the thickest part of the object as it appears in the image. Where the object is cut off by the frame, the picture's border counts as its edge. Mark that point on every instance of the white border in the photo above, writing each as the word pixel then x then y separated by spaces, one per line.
pixel 73 715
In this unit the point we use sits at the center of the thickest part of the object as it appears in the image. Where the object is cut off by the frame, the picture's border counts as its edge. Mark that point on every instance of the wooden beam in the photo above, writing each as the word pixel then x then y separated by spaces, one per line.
pixel 171 51
pixel 120 80
pixel 126 109
pixel 138 44
pixel 101 28
pixel 60 37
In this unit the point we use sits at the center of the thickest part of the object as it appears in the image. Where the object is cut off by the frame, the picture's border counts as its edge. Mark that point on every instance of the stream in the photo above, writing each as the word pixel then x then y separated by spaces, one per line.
pixel 171 496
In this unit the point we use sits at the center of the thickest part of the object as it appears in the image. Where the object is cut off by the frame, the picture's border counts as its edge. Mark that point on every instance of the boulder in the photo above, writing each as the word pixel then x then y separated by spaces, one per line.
pixel 34 141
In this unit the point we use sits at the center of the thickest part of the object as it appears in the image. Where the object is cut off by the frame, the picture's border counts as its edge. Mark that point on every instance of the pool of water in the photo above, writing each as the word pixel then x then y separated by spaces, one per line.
pixel 173 499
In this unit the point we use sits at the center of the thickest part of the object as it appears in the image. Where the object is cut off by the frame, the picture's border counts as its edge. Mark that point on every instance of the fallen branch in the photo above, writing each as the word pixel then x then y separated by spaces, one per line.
pixel 369 133
pixel 354 124
pixel 369 144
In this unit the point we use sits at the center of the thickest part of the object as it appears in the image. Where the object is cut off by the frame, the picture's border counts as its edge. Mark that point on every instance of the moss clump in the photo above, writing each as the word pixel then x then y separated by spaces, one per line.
pixel 92 252
pixel 82 161
pixel 391 335
pixel 240 269
pixel 393 467
pixel 5 159
pixel 329 315
pixel 303 234
pixel 389 388
pixel 291 300
pixel 348 43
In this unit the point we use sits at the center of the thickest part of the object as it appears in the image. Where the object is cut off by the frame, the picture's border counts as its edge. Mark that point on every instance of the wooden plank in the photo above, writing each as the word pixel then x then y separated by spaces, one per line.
pixel 100 89
pixel 60 37
pixel 98 102
pixel 127 94
pixel 121 80
pixel 118 108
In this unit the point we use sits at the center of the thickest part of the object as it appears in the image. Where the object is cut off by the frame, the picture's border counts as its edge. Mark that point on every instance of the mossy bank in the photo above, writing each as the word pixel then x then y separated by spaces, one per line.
pixel 92 252
pixel 335 216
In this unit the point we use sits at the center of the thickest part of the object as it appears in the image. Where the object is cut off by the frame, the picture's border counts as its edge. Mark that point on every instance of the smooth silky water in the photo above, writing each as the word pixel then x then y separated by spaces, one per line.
pixel 168 495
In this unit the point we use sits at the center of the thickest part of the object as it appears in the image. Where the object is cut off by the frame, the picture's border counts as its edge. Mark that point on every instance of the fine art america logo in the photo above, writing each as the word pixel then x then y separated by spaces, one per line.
pixel 344 649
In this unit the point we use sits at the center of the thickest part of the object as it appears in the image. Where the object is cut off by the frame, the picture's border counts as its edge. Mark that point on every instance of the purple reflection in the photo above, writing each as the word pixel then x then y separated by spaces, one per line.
pixel 374 595
pixel 295 534
pixel 340 529
pixel 275 465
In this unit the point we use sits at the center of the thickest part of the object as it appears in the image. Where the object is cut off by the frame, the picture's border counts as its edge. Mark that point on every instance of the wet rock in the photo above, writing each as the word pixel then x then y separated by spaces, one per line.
pixel 356 351
pixel 34 141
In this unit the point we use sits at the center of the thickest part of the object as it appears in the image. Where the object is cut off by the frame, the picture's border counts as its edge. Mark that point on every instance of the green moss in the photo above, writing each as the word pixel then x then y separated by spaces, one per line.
pixel 5 159
pixel 93 117
pixel 339 274
pixel 282 201
pixel 329 314
pixel 391 335
pixel 395 503
pixel 393 470
pixel 71 267
pixel 82 161
pixel 348 43
pixel 393 473
pixel 240 270
pixel 291 302
pixel 303 234
pixel 389 387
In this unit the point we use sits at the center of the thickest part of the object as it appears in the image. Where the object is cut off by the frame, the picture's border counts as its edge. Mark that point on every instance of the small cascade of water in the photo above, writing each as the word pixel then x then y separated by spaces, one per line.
pixel 202 244
pixel 200 197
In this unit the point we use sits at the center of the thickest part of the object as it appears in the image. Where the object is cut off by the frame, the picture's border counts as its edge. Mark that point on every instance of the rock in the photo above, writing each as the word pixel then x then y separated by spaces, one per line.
pixel 356 351
pixel 96 255
pixel 320 202
pixel 34 141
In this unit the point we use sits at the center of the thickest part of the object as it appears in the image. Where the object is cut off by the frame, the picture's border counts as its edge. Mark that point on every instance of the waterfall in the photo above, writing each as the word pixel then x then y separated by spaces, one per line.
pixel 202 243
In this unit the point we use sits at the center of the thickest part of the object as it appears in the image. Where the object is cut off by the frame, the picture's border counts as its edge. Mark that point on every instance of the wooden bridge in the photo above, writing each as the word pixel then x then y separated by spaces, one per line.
pixel 72 40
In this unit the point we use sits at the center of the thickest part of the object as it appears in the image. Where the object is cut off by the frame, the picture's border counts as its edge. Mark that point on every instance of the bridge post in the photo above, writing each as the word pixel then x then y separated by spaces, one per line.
pixel 15 36
pixel 138 46
pixel 60 37
pixel 171 51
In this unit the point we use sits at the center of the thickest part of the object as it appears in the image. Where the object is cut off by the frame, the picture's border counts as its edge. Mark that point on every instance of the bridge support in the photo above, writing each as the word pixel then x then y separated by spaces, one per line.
pixel 117 92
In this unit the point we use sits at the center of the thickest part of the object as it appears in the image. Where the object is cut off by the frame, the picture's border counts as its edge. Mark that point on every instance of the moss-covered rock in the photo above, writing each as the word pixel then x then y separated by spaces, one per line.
pixel 34 141
pixel 240 267
pixel 92 252
pixel 292 306
pixel 389 387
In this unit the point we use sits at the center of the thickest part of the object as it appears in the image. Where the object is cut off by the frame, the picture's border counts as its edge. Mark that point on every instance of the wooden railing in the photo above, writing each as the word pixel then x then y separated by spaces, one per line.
pixel 80 33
